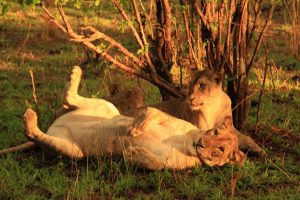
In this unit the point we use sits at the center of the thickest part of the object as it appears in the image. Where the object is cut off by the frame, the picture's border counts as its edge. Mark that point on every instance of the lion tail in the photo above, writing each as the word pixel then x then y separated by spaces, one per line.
pixel 21 147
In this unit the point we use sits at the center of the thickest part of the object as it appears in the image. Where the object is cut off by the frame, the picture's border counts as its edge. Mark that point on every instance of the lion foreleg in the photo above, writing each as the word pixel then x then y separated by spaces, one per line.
pixel 61 145
pixel 161 157
pixel 143 158
pixel 245 142
pixel 146 119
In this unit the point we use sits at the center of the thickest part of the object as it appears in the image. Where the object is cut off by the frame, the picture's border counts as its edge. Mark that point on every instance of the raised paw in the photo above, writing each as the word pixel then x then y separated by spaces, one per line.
pixel 76 74
pixel 146 119
pixel 30 122
pixel 140 123
pixel 74 80
pixel 133 132
pixel 71 90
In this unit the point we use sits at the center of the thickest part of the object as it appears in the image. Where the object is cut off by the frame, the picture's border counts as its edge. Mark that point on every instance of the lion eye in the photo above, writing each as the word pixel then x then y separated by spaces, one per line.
pixel 221 149
pixel 202 86
pixel 216 132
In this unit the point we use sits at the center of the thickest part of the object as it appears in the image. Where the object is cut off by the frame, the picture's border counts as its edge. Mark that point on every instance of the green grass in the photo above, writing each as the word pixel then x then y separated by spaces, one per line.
pixel 39 174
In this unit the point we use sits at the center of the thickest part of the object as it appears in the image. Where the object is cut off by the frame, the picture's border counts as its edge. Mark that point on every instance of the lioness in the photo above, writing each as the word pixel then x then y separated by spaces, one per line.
pixel 206 106
pixel 95 127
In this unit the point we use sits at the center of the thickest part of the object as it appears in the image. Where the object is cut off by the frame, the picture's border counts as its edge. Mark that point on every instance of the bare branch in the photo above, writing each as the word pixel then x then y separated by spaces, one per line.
pixel 153 78
pixel 262 88
pixel 167 25
pixel 50 17
pixel 34 94
pixel 260 37
pixel 188 36
pixel 204 20
pixel 147 16
pixel 141 28
pixel 126 18
pixel 136 35
pixel 99 35
pixel 257 13
pixel 67 25
pixel 138 17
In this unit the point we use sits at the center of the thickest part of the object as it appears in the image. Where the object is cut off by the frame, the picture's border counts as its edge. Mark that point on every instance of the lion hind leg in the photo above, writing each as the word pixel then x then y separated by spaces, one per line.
pixel 71 98
pixel 61 145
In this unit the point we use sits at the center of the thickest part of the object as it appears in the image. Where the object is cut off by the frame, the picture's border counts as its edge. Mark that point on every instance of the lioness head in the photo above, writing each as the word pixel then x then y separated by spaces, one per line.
pixel 204 85
pixel 220 146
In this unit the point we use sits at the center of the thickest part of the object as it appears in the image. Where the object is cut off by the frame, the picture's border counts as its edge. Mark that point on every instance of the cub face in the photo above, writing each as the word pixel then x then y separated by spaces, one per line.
pixel 205 85
pixel 220 145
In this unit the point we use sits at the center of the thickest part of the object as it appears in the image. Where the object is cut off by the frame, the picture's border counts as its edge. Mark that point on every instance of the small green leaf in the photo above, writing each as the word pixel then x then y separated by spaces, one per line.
pixel 97 3
pixel 77 4
pixel 5 9
pixel 33 2
pixel 141 52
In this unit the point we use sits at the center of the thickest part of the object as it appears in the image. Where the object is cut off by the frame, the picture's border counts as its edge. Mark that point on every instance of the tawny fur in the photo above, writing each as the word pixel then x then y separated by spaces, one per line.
pixel 206 106
pixel 126 100
pixel 94 127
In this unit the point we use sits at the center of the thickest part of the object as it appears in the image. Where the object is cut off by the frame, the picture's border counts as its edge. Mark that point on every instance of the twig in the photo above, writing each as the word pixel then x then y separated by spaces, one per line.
pixel 146 45
pixel 33 86
pixel 99 35
pixel 274 66
pixel 126 18
pixel 257 13
pixel 141 27
pixel 136 35
pixel 143 7
pixel 188 36
pixel 245 99
pixel 167 25
pixel 34 93
pixel 262 88
pixel 27 37
pixel 235 177
pixel 283 171
pixel 102 83
pixel 204 21
pixel 260 38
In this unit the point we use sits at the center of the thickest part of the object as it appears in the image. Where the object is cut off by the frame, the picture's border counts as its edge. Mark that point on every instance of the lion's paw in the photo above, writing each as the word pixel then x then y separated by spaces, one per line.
pixel 74 81
pixel 133 132
pixel 71 91
pixel 30 122
pixel 76 72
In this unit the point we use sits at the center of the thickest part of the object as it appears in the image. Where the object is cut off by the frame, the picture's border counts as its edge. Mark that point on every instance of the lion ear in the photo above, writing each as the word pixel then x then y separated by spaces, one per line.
pixel 218 77
pixel 194 72
pixel 228 122
pixel 114 89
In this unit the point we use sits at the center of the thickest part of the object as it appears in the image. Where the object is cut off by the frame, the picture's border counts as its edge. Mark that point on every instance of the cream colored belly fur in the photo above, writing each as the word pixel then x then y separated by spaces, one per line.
pixel 94 127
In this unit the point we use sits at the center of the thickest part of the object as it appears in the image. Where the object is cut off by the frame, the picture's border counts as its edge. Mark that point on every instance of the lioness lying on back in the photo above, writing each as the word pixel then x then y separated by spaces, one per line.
pixel 95 127
pixel 206 106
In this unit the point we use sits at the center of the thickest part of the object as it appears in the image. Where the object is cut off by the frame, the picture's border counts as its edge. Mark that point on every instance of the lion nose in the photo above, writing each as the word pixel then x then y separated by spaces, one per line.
pixel 192 98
